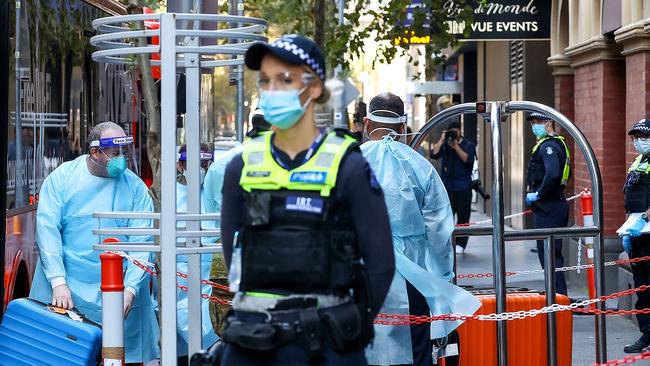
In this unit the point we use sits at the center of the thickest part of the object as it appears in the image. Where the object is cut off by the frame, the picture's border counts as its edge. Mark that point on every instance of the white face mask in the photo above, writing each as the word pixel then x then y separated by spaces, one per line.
pixel 642 145
pixel 401 137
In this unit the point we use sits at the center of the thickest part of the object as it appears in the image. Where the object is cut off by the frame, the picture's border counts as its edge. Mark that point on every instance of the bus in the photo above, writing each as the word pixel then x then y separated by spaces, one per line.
pixel 55 94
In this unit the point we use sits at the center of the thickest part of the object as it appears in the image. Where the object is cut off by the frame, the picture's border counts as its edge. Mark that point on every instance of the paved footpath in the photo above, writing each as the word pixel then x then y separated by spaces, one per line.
pixel 478 259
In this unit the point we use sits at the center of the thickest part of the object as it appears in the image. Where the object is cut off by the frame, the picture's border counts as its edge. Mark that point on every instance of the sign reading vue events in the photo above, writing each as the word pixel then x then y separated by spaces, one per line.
pixel 504 20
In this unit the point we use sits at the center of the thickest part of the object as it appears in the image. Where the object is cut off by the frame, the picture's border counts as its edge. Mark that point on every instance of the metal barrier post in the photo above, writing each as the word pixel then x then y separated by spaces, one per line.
pixel 498 249
pixel 168 189
pixel 193 162
pixel 549 276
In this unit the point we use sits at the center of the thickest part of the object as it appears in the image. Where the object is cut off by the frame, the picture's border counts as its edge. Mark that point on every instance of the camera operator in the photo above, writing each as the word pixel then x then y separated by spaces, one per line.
pixel 457 154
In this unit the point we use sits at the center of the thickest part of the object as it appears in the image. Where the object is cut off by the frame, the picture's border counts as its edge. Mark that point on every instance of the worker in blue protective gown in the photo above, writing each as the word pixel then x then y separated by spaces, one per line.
pixel 214 178
pixel 208 334
pixel 68 272
pixel 421 222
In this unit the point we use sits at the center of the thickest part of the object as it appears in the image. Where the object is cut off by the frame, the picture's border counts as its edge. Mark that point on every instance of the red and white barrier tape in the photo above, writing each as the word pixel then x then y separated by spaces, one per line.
pixel 627 360
pixel 559 269
pixel 508 217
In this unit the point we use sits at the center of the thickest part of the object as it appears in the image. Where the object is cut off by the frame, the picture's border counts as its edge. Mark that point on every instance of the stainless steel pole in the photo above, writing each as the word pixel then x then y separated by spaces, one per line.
pixel 498 248
pixel 168 190
pixel 239 118
pixel 549 276
pixel 193 144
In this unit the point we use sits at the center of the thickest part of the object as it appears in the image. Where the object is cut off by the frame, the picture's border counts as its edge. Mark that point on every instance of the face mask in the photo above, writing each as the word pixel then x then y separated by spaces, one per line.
pixel 642 147
pixel 181 175
pixel 392 135
pixel 115 166
pixel 282 108
pixel 539 130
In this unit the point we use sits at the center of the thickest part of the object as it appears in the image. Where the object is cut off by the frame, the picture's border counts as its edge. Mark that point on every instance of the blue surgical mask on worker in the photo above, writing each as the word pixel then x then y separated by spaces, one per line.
pixel 642 146
pixel 282 108
pixel 539 130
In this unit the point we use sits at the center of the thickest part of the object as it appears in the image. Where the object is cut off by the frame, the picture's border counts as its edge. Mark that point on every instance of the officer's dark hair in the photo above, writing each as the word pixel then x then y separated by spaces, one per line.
pixel 258 122
pixel 387 102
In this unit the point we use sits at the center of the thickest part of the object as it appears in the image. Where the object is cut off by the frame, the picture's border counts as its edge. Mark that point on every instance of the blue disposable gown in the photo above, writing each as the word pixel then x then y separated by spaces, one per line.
pixel 421 222
pixel 214 181
pixel 209 336
pixel 64 225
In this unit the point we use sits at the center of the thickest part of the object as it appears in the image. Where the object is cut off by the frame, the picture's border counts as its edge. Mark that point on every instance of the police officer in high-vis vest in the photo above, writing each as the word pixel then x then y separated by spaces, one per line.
pixel 636 243
pixel 304 226
pixel 548 173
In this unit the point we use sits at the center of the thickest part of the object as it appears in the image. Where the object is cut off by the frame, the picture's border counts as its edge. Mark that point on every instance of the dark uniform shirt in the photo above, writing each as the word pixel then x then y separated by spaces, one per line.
pixel 545 170
pixel 456 174
pixel 357 185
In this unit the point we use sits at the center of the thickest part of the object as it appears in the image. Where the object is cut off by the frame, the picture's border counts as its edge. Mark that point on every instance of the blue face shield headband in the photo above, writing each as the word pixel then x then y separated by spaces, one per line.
pixel 206 159
pixel 117 150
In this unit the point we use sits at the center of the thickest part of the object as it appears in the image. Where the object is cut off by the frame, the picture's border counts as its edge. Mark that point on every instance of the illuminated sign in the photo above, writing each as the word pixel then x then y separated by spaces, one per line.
pixel 504 20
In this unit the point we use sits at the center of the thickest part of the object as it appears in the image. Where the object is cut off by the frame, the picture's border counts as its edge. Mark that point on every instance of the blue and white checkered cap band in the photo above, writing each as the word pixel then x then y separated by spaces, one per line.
pixel 304 56
pixel 642 126
pixel 537 115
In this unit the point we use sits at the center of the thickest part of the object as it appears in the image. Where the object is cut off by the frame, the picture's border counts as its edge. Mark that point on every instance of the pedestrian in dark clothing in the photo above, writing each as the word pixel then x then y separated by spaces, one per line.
pixel 457 155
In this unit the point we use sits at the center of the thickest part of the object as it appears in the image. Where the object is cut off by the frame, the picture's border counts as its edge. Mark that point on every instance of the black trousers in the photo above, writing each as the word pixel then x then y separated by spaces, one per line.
pixel 550 214
pixel 461 206
pixel 641 275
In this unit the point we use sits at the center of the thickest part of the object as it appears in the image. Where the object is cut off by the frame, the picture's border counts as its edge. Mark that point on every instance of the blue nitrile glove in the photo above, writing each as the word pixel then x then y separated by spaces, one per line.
pixel 635 229
pixel 531 197
pixel 627 244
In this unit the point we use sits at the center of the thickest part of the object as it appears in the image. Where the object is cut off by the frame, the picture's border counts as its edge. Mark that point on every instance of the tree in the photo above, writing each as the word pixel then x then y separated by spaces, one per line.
pixel 384 23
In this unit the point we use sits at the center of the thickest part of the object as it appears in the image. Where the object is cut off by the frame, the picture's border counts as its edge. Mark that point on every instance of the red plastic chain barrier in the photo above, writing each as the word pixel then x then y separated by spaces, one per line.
pixel 399 319
pixel 627 360
pixel 184 288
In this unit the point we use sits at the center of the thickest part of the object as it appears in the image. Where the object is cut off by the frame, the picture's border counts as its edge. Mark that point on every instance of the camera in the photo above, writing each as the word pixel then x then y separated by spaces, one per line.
pixel 478 187
pixel 452 135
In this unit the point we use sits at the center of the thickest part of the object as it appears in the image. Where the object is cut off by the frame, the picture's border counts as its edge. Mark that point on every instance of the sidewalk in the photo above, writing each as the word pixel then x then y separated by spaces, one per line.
pixel 478 259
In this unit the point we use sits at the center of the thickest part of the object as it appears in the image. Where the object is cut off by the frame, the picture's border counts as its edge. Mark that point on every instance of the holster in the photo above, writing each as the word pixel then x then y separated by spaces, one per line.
pixel 344 326
pixel 253 336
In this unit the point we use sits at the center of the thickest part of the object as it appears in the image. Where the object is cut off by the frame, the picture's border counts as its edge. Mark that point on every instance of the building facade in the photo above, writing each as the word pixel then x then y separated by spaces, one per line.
pixel 600 57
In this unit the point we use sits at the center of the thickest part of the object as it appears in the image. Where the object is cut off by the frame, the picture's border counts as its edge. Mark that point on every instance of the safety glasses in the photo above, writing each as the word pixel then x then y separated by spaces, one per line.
pixel 284 81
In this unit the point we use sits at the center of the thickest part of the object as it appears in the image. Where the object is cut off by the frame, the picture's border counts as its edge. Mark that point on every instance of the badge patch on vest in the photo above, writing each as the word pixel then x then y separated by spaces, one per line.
pixel 308 177
pixel 305 204
pixel 549 151
pixel 262 174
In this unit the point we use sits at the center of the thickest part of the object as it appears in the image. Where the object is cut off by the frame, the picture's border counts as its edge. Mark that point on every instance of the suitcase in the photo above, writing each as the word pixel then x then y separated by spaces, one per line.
pixel 33 333
pixel 526 337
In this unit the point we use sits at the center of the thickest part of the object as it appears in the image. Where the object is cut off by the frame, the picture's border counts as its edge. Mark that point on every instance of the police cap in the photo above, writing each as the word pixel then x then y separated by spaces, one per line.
pixel 643 126
pixel 537 115
pixel 290 48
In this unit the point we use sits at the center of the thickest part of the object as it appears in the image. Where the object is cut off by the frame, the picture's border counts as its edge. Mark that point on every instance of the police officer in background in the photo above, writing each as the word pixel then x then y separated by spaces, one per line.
pixel 304 226
pixel 548 173
pixel 636 244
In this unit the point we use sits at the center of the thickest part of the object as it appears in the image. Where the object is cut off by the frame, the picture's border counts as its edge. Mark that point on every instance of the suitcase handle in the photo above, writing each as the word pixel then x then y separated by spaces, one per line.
pixel 73 313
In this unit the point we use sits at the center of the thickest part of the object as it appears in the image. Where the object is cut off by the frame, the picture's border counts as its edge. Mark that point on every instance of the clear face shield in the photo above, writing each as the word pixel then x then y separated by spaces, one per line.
pixel 117 151
pixel 206 160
